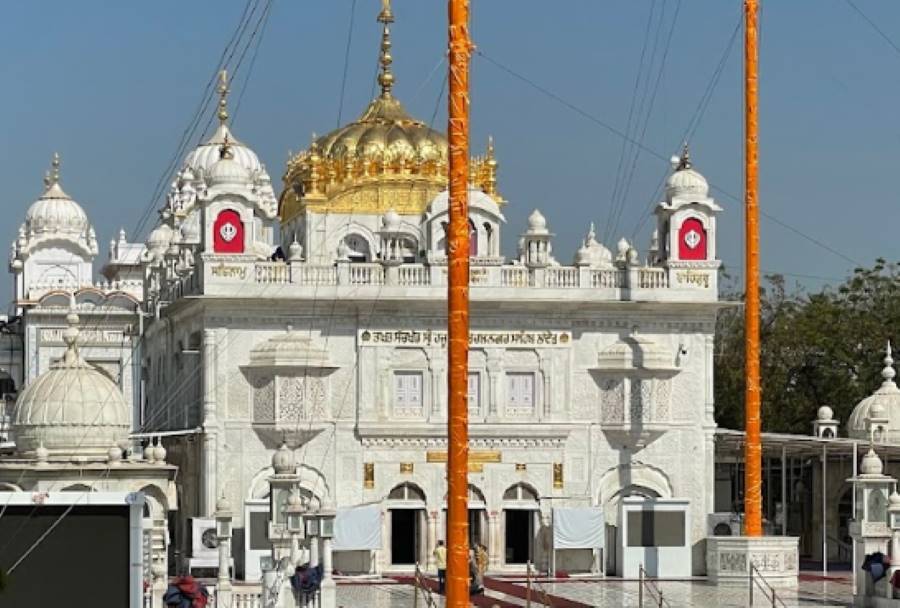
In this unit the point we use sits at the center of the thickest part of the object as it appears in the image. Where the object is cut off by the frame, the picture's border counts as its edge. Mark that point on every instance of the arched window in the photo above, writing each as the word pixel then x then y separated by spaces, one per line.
pixel 473 239
pixel 520 492
pixel 489 237
pixel 407 491
pixel 357 248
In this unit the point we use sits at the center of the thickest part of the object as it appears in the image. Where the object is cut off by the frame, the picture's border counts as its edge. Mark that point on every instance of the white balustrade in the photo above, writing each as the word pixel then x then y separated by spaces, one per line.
pixel 515 276
pixel 606 279
pixel 414 275
pixel 366 274
pixel 307 274
pixel 562 276
pixel 653 278
pixel 273 272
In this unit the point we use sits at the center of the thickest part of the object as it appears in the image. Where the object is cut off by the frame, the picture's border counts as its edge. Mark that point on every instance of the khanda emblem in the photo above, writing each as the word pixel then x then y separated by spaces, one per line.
pixel 228 231
pixel 692 239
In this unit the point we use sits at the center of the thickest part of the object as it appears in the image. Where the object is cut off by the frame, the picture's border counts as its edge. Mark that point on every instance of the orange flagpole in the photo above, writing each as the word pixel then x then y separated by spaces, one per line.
pixel 753 445
pixel 458 309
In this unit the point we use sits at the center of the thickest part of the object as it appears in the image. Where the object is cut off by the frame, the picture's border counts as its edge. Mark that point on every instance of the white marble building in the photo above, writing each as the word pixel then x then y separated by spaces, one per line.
pixel 318 318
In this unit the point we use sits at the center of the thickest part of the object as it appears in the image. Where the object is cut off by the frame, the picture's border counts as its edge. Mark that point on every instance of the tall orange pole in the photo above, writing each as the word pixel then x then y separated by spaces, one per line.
pixel 753 445
pixel 458 310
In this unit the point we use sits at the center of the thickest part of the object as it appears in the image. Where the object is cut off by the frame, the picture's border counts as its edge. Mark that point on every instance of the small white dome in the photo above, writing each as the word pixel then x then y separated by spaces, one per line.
pixel 537 223
pixel 283 460
pixel 685 181
pixel 824 414
pixel 883 403
pixel 391 220
pixel 202 158
pixel 593 253
pixel 228 171
pixel 159 239
pixel 871 464
pixel 73 409
pixel 894 499
pixel 190 229
pixel 55 211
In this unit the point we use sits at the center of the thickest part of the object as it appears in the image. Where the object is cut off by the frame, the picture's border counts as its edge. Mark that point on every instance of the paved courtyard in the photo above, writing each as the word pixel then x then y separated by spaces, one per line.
pixel 612 592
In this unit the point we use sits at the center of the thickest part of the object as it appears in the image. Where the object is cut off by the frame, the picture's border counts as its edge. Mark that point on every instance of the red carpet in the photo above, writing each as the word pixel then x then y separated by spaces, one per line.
pixel 520 592
pixel 483 601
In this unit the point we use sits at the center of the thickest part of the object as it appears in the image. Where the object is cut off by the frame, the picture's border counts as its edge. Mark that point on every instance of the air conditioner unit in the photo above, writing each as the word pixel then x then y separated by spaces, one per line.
pixel 723 524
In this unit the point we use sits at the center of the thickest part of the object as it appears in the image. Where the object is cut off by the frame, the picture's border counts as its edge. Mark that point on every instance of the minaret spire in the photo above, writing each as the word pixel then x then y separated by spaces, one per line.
pixel 386 77
pixel 223 97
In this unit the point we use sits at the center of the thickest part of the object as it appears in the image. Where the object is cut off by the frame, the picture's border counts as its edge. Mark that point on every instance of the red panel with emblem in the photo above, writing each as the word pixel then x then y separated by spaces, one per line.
pixel 692 240
pixel 228 233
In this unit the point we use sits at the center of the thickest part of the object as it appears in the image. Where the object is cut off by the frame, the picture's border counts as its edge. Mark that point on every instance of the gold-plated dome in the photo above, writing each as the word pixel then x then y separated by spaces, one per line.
pixel 385 159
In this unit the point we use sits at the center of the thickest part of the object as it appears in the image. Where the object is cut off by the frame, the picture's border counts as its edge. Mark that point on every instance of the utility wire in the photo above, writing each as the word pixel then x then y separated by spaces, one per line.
pixel 648 150
pixel 662 65
pixel 346 63
pixel 634 94
pixel 874 26
pixel 246 83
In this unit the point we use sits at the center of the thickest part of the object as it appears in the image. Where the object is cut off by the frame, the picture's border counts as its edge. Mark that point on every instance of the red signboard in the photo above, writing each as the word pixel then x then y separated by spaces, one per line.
pixel 228 233
pixel 692 240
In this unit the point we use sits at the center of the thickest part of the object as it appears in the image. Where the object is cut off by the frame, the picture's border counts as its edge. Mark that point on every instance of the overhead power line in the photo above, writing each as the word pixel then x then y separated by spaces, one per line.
pixel 619 133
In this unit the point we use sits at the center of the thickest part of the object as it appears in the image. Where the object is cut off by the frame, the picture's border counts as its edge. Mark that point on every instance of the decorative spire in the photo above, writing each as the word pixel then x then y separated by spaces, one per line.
pixel 386 77
pixel 491 164
pixel 888 373
pixel 51 177
pixel 70 334
pixel 225 149
pixel 680 163
pixel 223 97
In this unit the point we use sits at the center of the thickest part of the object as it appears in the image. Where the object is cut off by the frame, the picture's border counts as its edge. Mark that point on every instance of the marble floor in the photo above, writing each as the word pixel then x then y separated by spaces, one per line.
pixel 618 593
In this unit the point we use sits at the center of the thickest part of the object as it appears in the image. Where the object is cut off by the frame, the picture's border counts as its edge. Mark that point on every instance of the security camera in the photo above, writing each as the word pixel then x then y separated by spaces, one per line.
pixel 682 350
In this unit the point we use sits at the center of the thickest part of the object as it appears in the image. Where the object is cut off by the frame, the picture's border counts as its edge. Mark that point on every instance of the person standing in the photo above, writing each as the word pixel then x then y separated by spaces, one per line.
pixel 481 560
pixel 440 560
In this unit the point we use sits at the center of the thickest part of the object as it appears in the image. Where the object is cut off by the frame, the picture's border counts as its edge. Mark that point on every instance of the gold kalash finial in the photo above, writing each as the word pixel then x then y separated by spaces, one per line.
pixel 386 77
pixel 223 97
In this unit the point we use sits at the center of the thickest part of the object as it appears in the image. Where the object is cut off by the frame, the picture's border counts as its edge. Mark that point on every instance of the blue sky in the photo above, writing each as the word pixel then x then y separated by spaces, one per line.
pixel 111 86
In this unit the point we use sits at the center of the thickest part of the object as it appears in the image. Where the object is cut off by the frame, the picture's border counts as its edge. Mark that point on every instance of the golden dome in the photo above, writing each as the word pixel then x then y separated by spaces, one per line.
pixel 384 132
pixel 385 159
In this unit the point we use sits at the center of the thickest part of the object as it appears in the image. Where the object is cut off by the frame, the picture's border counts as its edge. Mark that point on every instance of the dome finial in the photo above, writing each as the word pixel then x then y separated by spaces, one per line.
pixel 70 334
pixel 225 149
pixel 684 161
pixel 888 372
pixel 386 77
pixel 223 97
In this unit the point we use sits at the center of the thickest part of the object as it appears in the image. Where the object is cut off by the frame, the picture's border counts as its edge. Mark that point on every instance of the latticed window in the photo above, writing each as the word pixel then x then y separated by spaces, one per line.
pixel 520 392
pixel 408 390
pixel 474 394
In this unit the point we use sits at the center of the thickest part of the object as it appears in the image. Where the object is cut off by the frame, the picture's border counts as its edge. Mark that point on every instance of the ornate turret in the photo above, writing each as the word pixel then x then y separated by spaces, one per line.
pixel 385 159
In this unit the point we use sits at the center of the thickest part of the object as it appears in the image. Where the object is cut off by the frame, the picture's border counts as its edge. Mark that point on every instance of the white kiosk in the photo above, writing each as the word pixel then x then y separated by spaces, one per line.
pixel 654 533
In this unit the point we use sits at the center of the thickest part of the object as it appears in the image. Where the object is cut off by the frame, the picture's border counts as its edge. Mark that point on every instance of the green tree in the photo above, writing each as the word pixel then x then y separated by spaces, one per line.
pixel 816 349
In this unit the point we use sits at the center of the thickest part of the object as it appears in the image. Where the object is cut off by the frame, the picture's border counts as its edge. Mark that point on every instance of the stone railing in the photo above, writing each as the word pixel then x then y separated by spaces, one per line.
pixel 132 287
pixel 621 282
pixel 240 598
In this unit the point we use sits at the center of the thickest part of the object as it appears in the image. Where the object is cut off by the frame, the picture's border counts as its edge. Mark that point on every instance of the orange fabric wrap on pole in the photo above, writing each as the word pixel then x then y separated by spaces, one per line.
pixel 460 48
pixel 753 446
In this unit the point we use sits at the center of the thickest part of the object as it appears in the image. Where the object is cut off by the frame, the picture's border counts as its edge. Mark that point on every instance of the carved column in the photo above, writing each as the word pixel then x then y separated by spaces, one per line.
pixel 546 367
pixel 432 540
pixel 210 425
pixel 328 592
pixel 495 541
pixel 495 376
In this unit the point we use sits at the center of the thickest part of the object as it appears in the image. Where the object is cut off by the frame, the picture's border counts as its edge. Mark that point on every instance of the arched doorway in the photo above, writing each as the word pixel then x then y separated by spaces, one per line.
pixel 611 511
pixel 407 521
pixel 478 532
pixel 521 513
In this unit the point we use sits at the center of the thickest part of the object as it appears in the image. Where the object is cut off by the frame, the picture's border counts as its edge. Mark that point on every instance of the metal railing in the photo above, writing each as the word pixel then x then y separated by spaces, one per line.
pixel 653 591
pixel 530 583
pixel 844 550
pixel 420 587
pixel 767 590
